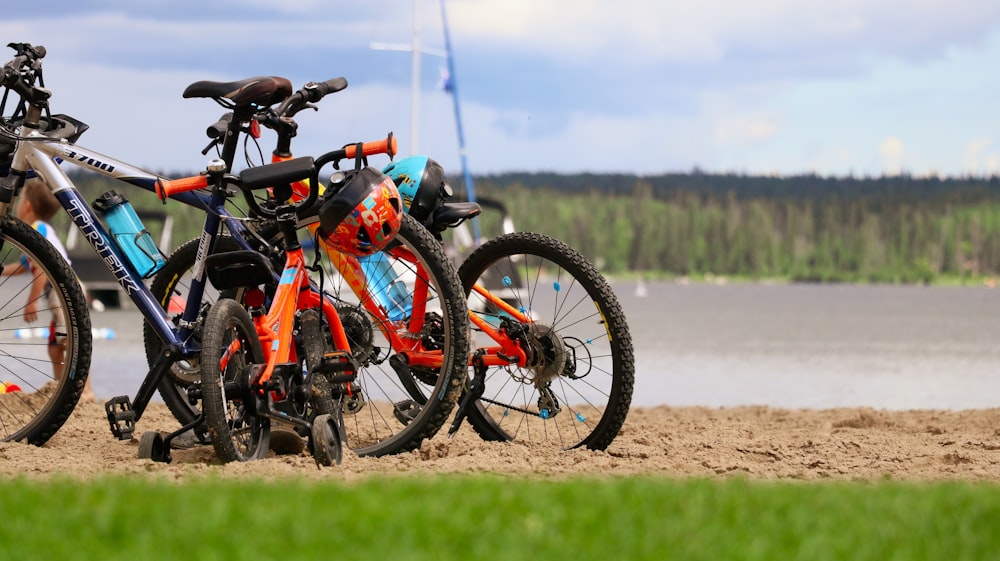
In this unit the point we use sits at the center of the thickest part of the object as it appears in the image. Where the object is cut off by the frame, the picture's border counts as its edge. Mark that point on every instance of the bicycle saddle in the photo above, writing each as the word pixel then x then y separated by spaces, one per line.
pixel 261 90
pixel 451 214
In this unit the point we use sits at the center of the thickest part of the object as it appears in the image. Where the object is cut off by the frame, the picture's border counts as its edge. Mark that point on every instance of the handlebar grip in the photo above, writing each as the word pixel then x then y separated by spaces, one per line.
pixel 387 146
pixel 169 187
pixel 315 91
pixel 219 128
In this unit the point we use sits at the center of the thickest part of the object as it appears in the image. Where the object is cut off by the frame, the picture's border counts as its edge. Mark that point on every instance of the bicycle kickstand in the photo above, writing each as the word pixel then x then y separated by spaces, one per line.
pixel 473 391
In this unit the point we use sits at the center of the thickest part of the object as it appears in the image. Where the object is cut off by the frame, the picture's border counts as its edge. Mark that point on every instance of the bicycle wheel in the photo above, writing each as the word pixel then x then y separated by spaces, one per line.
pixel 170 287
pixel 576 387
pixel 230 347
pixel 394 406
pixel 43 369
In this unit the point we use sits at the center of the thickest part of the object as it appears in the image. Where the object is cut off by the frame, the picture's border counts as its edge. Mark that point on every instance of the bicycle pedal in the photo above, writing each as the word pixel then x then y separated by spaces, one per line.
pixel 405 411
pixel 121 417
pixel 339 367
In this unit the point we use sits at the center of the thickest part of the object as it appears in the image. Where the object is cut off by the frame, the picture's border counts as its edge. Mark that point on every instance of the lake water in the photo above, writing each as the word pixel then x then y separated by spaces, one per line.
pixel 796 346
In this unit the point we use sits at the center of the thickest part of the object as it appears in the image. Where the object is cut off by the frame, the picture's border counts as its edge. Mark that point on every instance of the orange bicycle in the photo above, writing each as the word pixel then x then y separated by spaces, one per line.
pixel 253 353
pixel 552 361
pixel 258 376
pixel 433 340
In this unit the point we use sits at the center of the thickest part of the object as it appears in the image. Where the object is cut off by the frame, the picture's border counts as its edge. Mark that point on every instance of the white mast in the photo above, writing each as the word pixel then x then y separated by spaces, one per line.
pixel 415 53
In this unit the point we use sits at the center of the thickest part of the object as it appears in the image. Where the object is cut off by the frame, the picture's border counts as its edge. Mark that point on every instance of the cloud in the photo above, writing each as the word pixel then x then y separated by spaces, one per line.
pixel 745 129
pixel 979 159
pixel 123 36
pixel 648 32
pixel 891 151
pixel 635 85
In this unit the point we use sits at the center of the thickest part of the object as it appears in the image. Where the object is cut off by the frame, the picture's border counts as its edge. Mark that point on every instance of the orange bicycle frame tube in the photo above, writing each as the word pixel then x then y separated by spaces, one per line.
pixel 275 328
pixel 508 351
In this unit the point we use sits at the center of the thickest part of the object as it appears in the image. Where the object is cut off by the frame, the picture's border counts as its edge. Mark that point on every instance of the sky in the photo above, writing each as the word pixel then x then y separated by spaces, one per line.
pixel 777 87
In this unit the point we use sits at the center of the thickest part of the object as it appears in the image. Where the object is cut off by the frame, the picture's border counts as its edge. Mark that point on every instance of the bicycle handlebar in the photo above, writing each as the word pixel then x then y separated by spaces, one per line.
pixel 310 93
pixel 26 54
pixel 166 188
pixel 28 57
pixel 218 129
pixel 387 146
pixel 170 187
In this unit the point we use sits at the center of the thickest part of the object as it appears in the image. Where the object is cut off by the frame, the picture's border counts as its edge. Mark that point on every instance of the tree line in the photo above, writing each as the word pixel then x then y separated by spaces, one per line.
pixel 807 228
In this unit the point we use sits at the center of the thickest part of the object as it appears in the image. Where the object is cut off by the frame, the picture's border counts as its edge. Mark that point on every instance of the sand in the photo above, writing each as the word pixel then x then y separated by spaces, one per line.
pixel 678 442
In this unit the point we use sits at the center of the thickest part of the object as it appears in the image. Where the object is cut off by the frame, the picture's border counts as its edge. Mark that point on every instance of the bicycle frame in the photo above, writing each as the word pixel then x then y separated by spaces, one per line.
pixel 509 351
pixel 350 268
pixel 275 328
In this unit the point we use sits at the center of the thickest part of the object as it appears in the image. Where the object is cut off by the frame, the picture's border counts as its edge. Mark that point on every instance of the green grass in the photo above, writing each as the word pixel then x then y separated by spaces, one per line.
pixel 498 518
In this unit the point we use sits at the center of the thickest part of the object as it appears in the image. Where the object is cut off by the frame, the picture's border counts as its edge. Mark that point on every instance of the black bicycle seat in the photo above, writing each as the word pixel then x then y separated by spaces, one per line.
pixel 452 214
pixel 261 90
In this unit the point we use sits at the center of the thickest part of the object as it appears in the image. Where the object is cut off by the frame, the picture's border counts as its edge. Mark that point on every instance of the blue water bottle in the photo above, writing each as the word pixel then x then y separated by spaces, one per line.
pixel 129 233
pixel 389 290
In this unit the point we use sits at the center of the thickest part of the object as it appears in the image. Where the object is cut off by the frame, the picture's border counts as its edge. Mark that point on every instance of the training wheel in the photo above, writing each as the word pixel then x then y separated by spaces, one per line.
pixel 326 444
pixel 151 447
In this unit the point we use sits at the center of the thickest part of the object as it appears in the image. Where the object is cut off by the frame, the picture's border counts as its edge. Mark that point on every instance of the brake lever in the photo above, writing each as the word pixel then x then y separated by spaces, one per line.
pixel 295 110
pixel 212 144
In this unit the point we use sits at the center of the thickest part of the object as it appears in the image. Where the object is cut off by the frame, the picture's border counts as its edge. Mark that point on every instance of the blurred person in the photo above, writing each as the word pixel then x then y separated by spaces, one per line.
pixel 36 206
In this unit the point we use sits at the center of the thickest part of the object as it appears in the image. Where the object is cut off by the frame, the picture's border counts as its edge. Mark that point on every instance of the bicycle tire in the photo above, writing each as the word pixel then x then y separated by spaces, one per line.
pixel 237 432
pixel 173 280
pixel 382 426
pixel 586 400
pixel 315 344
pixel 47 394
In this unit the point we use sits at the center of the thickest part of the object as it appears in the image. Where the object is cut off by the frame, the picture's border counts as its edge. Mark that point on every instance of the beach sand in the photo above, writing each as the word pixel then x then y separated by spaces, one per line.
pixel 676 442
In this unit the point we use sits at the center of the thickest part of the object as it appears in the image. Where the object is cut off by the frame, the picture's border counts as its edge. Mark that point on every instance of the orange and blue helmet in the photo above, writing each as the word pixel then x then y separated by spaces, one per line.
pixel 361 212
